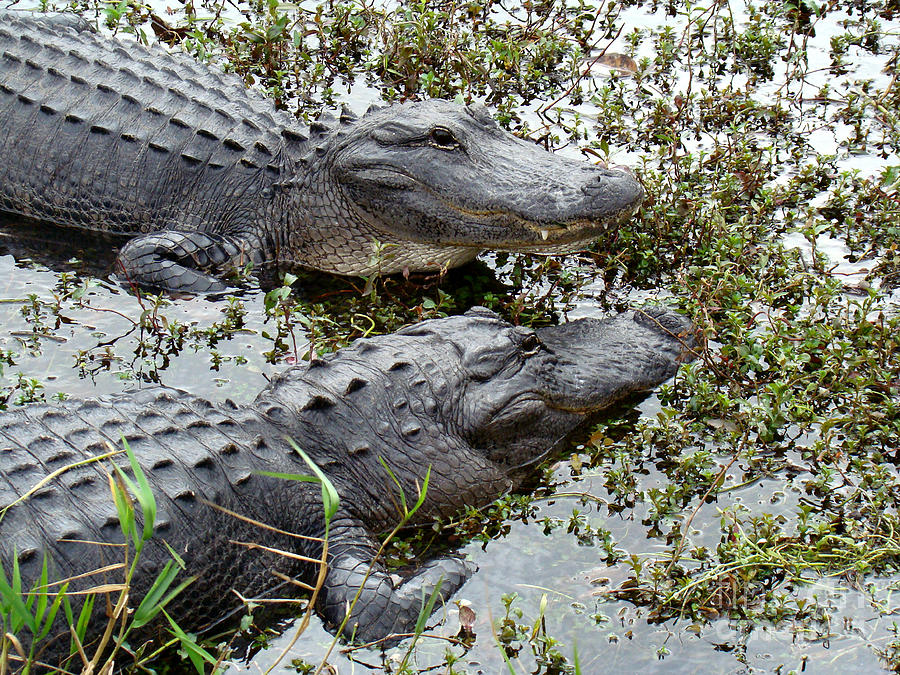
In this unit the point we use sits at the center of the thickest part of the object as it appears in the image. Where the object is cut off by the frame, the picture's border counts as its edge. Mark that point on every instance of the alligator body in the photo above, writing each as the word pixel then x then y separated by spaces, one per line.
pixel 472 399
pixel 206 176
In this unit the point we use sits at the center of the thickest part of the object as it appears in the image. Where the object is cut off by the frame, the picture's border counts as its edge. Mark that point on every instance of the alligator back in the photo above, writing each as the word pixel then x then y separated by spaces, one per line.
pixel 115 136
pixel 192 453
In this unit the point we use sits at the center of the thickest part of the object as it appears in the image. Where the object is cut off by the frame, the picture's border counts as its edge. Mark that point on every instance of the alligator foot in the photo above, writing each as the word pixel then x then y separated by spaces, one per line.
pixel 386 610
pixel 182 261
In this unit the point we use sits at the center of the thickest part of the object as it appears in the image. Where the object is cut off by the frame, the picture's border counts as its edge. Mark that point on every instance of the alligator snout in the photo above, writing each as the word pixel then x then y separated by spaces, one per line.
pixel 618 190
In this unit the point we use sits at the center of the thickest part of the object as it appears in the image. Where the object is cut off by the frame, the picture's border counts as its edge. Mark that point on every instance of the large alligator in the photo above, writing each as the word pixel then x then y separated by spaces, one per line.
pixel 208 176
pixel 472 399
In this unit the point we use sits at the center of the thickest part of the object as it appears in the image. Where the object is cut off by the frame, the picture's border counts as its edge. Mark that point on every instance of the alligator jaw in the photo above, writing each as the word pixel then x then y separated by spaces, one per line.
pixel 548 238
pixel 588 222
pixel 559 238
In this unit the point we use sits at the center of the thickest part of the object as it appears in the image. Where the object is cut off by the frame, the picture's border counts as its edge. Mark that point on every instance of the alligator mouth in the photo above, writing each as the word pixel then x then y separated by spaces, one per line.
pixel 547 238
pixel 558 238
pixel 572 236
pixel 552 236
pixel 553 403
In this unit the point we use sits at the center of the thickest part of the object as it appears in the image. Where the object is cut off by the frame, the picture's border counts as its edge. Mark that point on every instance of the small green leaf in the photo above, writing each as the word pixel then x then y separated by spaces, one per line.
pixel 195 652
pixel 330 498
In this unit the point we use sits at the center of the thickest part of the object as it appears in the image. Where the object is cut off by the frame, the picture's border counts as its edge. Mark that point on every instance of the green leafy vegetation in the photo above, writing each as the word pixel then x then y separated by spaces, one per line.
pixel 35 611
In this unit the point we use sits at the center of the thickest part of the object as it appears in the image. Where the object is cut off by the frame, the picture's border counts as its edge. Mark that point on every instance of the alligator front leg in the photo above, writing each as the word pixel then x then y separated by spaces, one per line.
pixel 384 607
pixel 189 262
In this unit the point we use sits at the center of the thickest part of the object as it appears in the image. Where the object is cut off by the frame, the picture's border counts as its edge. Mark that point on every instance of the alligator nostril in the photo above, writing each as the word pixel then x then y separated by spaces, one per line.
pixel 617 188
pixel 606 179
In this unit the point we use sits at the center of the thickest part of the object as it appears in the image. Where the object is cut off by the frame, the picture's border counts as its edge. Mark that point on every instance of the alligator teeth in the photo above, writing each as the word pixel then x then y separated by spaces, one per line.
pixel 545 234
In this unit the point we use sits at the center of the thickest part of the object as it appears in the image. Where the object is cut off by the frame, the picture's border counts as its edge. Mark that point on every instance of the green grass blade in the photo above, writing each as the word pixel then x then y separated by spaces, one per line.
pixel 124 507
pixel 67 610
pixel 18 614
pixel 509 665
pixel 397 483
pixel 149 606
pixel 11 593
pixel 83 618
pixel 195 652
pixel 143 492
pixel 159 595
pixel 16 575
pixel 52 612
pixel 428 607
pixel 176 591
pixel 330 499
pixel 177 558
pixel 40 592
pixel 407 512
pixel 424 613
pixel 422 492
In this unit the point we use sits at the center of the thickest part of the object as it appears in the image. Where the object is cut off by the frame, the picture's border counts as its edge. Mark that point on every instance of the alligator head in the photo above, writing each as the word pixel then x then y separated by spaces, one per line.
pixel 524 390
pixel 442 182
pixel 475 391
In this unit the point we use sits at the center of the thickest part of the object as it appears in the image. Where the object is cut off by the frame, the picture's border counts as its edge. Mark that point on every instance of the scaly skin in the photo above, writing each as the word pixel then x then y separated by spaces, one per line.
pixel 472 398
pixel 206 176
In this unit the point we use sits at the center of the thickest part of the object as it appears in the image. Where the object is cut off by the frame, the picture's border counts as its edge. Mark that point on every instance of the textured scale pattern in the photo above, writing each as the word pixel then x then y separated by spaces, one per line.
pixel 470 400
pixel 116 137
pixel 155 132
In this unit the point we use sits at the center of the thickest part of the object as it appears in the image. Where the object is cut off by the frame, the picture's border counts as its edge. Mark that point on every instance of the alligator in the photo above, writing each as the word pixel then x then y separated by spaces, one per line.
pixel 205 176
pixel 469 402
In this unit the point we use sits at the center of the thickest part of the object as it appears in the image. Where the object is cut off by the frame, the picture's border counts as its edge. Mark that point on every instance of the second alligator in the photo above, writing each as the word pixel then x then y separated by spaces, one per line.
pixel 469 401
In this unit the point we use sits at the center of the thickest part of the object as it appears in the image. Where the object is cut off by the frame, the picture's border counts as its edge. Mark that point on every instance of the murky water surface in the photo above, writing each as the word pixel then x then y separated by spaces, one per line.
pixel 70 331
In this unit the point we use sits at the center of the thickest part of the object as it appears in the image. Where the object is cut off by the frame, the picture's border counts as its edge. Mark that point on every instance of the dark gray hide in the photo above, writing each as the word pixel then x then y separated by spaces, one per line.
pixel 207 176
pixel 470 397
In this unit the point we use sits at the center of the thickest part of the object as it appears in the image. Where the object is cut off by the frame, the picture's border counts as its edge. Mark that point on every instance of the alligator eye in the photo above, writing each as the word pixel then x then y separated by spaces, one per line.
pixel 442 138
pixel 530 345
